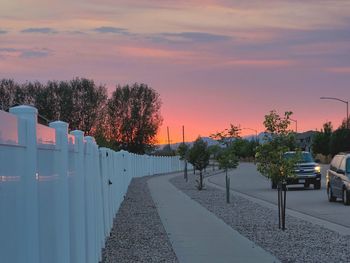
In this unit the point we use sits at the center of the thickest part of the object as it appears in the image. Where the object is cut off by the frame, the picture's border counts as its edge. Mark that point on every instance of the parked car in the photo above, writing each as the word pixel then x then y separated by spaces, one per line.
pixel 307 171
pixel 338 182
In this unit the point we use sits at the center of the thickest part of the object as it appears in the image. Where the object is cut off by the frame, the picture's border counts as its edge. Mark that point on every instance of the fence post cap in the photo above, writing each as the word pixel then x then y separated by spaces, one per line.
pixel 103 149
pixel 90 139
pixel 23 109
pixel 58 124
pixel 77 133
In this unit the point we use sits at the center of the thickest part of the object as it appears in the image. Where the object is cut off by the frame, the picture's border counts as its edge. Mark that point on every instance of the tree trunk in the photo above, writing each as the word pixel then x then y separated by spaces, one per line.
pixel 227 188
pixel 282 197
pixel 200 187
pixel 279 204
pixel 284 188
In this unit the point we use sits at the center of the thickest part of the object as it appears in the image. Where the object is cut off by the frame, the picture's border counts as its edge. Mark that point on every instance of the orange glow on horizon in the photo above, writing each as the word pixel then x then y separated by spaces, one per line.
pixel 212 62
pixel 192 132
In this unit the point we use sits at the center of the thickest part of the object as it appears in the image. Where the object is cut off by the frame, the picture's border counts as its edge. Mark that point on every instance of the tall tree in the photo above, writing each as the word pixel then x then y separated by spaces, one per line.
pixel 7 93
pixel 88 104
pixel 134 117
pixel 322 139
pixel 47 102
pixel 344 124
pixel 340 141
pixel 79 101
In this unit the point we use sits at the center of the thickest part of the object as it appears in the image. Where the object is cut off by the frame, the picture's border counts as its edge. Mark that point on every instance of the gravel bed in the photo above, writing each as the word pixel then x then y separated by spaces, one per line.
pixel 138 234
pixel 301 242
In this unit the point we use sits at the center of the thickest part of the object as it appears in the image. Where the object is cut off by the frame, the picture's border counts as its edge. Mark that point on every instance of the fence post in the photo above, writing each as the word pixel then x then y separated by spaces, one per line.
pixel 99 230
pixel 77 203
pixel 111 191
pixel 91 239
pixel 120 177
pixel 61 226
pixel 105 186
pixel 28 246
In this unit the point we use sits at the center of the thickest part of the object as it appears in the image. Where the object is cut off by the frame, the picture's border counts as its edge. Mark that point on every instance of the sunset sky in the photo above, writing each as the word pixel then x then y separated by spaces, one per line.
pixel 212 62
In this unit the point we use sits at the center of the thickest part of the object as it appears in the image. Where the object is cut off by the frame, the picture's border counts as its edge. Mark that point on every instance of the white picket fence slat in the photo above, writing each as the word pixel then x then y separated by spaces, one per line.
pixel 60 192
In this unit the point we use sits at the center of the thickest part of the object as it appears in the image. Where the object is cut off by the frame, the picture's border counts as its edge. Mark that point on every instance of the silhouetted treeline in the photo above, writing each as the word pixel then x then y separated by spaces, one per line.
pixel 330 142
pixel 128 120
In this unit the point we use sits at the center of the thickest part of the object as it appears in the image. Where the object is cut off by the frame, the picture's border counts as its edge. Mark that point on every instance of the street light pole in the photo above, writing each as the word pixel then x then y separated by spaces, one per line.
pixel 296 125
pixel 347 107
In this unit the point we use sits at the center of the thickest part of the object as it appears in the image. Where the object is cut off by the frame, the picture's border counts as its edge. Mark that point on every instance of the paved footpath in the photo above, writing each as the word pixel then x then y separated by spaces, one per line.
pixel 196 234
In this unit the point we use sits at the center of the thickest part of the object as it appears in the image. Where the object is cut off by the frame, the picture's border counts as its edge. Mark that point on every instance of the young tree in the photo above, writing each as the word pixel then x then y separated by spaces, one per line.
pixel 227 136
pixel 182 151
pixel 245 148
pixel 168 151
pixel 270 156
pixel 199 158
pixel 227 159
pixel 134 117
pixel 214 151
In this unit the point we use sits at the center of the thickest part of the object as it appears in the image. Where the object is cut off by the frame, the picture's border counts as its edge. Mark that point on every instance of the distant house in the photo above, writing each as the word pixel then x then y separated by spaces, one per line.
pixel 304 140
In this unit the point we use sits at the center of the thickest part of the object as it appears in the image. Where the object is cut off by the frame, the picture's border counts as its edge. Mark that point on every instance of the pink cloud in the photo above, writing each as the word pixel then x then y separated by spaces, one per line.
pixel 260 62
pixel 345 70
pixel 148 52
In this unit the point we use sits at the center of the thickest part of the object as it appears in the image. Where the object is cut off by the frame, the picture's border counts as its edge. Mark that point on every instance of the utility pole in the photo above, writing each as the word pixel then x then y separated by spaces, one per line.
pixel 183 133
pixel 167 128
pixel 183 141
pixel 296 124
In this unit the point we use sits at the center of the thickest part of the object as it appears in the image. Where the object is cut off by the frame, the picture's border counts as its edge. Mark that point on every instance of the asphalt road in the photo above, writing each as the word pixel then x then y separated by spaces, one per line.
pixel 247 180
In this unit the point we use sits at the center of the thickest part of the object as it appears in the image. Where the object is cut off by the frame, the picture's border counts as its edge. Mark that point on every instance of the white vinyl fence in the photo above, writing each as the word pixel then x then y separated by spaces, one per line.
pixel 59 192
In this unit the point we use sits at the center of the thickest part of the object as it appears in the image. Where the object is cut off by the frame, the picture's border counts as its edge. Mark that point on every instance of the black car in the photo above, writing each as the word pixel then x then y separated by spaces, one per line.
pixel 307 171
pixel 338 182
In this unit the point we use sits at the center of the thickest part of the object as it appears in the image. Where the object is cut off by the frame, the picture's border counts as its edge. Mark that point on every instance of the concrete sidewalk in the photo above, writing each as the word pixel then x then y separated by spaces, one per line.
pixel 196 234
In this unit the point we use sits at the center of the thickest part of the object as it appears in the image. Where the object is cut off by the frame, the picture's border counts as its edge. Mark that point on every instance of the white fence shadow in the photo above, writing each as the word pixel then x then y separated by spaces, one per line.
pixel 59 192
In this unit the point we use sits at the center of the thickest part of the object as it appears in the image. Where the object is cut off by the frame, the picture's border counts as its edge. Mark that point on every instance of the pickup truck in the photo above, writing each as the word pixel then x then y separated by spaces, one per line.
pixel 307 171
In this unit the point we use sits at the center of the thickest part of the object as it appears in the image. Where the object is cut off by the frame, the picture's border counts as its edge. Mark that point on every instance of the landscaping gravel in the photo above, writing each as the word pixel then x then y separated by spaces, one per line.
pixel 138 234
pixel 301 242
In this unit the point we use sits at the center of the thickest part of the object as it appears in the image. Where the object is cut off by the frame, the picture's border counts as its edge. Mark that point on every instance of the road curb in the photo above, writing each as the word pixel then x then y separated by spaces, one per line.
pixel 342 230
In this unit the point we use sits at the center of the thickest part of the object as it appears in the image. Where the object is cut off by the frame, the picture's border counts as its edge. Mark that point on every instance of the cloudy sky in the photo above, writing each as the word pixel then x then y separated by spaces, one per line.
pixel 213 62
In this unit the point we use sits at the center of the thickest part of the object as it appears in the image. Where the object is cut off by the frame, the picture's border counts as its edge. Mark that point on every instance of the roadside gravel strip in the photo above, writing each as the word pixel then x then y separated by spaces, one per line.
pixel 138 234
pixel 301 242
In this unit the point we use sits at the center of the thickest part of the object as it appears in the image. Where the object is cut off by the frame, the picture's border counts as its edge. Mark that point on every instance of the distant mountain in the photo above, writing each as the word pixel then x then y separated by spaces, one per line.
pixel 174 146
pixel 261 136
pixel 210 141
